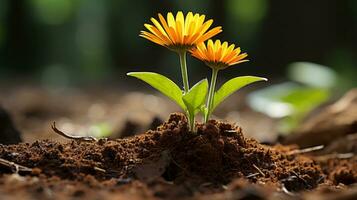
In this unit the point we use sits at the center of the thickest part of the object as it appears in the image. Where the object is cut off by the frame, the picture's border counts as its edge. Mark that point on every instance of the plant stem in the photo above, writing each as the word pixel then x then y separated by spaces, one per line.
pixel 186 85
pixel 211 94
pixel 191 121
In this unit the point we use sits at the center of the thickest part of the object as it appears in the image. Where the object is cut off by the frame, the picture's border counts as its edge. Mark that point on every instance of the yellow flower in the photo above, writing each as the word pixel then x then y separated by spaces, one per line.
pixel 180 33
pixel 217 55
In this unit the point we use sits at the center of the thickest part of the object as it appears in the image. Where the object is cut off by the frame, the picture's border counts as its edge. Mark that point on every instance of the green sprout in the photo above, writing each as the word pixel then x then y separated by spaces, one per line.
pixel 183 35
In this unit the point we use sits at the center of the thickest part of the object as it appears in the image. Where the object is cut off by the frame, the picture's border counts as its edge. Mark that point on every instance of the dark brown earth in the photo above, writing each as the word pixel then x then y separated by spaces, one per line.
pixel 217 162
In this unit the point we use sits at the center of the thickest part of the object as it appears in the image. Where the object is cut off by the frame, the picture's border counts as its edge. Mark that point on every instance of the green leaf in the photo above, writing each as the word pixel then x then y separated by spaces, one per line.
pixel 162 84
pixel 231 86
pixel 196 97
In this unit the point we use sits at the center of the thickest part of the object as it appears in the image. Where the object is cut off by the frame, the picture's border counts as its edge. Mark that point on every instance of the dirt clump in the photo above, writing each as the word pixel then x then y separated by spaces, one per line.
pixel 171 162
pixel 341 171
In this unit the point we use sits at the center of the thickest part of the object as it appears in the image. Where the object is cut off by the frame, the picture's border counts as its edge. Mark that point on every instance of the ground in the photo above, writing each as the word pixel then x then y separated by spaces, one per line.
pixel 218 161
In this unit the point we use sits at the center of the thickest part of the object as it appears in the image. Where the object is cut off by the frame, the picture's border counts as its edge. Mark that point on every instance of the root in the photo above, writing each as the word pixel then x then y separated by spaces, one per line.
pixel 73 137
pixel 15 168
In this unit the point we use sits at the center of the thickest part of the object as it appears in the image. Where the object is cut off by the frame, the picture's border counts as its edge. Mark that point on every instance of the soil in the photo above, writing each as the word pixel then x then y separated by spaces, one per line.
pixel 216 162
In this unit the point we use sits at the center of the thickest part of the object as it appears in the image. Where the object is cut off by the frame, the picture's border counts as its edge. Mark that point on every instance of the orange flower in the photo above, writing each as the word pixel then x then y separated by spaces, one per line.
pixel 180 33
pixel 217 55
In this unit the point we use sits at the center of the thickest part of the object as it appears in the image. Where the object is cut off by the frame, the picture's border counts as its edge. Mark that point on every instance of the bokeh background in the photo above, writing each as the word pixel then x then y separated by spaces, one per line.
pixel 307 49
pixel 85 41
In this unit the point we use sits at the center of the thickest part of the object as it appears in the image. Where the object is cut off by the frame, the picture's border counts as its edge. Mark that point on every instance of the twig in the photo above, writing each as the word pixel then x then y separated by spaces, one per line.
pixel 306 150
pixel 252 175
pixel 321 179
pixel 230 131
pixel 344 155
pixel 15 168
pixel 334 155
pixel 73 137
pixel 100 169
pixel 286 191
pixel 259 170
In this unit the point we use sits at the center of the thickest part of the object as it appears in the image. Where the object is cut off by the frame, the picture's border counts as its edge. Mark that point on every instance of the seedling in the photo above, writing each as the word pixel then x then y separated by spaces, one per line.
pixel 188 34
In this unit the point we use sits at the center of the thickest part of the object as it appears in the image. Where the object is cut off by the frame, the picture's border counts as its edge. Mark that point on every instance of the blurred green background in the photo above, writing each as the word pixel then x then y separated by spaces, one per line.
pixel 307 49
pixel 74 42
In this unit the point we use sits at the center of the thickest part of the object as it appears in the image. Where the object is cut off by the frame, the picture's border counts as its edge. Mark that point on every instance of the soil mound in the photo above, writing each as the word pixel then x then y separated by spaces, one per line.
pixel 171 157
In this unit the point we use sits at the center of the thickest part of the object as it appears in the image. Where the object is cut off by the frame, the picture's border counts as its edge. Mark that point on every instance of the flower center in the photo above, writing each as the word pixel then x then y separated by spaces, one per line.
pixel 181 47
pixel 216 64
